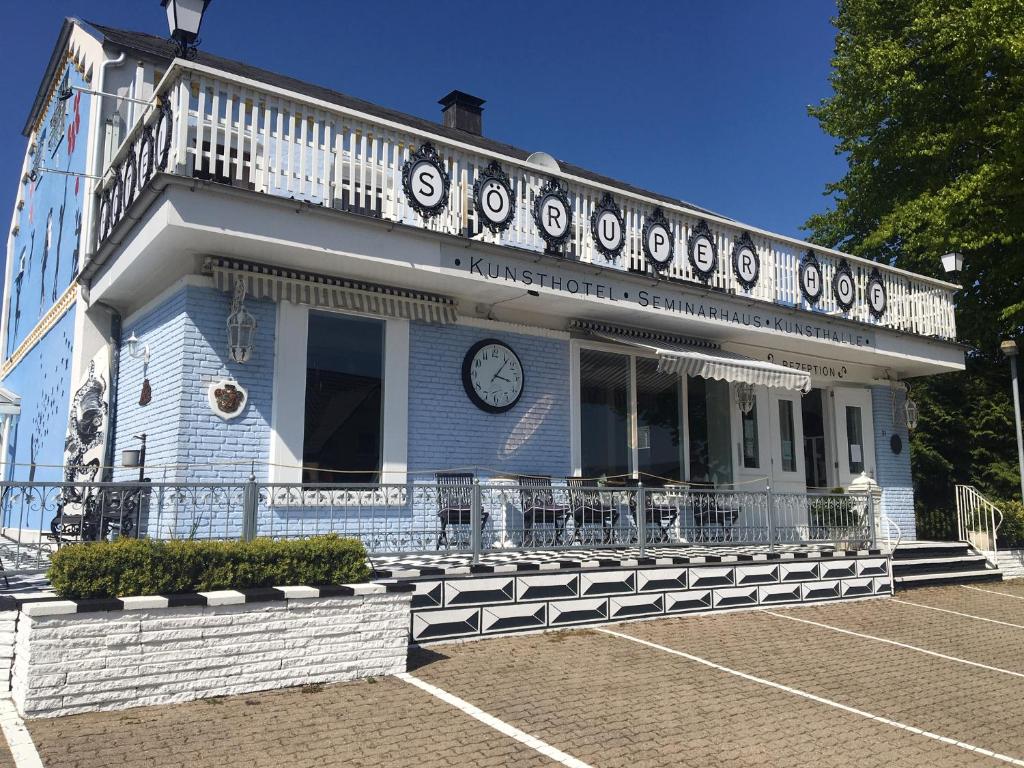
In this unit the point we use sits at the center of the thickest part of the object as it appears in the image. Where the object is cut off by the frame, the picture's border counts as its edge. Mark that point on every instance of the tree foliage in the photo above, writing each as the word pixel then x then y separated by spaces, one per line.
pixel 928 108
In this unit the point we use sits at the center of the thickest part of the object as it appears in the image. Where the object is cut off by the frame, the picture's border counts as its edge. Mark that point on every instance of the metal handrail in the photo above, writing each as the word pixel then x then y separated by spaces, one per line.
pixel 978 522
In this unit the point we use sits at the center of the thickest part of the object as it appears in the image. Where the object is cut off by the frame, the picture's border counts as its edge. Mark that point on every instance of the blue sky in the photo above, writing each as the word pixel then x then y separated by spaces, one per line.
pixel 705 101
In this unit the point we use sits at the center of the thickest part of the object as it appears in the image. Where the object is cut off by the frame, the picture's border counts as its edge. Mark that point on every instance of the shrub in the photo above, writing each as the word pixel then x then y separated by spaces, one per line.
pixel 149 567
pixel 1011 532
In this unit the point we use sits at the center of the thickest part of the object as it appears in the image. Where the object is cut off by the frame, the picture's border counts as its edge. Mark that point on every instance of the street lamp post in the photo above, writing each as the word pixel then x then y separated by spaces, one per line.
pixel 1009 348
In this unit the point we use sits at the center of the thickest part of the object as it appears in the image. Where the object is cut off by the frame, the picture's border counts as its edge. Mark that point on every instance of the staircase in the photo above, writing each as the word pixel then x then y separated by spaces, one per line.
pixel 933 563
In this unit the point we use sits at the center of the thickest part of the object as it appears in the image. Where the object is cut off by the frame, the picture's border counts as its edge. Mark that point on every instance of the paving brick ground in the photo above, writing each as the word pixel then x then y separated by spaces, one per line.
pixel 6 759
pixel 612 702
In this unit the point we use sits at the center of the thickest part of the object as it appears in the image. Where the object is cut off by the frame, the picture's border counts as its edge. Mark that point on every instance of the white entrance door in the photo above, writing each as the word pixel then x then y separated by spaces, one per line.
pixel 751 436
pixel 855 436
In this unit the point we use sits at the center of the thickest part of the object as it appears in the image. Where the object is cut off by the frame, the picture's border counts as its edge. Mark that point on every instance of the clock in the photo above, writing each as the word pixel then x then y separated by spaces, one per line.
pixel 492 375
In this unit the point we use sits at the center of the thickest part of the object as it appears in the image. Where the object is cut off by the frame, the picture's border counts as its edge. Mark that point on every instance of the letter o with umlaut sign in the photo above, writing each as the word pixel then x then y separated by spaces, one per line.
pixel 746 264
pixel 426 182
pixel 492 195
pixel 878 299
pixel 811 281
pixel 703 251
pixel 844 290
pixel 552 213
pixel 608 228
pixel 659 246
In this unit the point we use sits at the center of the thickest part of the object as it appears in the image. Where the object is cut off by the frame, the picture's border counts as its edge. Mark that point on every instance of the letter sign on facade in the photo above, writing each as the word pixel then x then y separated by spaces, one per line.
pixel 552 213
pixel 607 227
pixel 746 264
pixel 811 281
pixel 843 288
pixel 703 251
pixel 492 195
pixel 426 182
pixel 878 300
pixel 659 245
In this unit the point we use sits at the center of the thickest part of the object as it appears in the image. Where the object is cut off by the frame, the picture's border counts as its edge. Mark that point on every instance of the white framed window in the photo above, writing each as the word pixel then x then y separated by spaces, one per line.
pixel 340 397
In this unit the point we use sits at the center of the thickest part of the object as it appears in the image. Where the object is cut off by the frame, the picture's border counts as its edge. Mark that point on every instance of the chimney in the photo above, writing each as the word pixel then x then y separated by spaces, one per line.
pixel 463 111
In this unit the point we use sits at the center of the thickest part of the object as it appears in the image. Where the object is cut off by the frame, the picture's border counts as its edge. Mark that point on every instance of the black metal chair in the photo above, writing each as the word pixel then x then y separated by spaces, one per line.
pixel 455 503
pixel 539 508
pixel 590 507
pixel 658 517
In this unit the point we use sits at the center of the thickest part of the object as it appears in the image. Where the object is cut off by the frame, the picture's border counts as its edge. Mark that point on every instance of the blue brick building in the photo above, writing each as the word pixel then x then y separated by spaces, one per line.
pixel 271 280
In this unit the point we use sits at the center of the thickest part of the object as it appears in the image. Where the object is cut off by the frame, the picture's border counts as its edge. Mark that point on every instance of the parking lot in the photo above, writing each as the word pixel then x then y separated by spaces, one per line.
pixel 933 677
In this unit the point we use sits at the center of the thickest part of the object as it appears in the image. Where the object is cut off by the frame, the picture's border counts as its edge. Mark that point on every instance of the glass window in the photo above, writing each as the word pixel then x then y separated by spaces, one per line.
pixel 854 439
pixel 786 433
pixel 659 441
pixel 604 419
pixel 751 457
pixel 344 399
pixel 709 408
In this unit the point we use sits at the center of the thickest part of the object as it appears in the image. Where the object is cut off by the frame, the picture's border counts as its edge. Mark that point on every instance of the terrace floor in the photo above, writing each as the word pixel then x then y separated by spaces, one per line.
pixel 936 679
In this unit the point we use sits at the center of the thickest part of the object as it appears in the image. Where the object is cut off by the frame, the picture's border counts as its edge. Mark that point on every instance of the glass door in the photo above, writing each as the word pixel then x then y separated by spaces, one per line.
pixel 855 436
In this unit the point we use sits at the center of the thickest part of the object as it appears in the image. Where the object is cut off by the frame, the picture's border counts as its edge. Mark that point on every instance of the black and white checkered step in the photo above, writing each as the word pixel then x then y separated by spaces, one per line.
pixel 413 566
pixel 52 606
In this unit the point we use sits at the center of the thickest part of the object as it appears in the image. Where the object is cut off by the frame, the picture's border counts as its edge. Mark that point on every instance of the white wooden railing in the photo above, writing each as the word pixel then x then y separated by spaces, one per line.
pixel 279 142
pixel 978 521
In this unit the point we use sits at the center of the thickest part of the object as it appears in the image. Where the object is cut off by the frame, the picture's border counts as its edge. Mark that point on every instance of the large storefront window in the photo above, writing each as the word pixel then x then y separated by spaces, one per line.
pixel 344 398
pixel 659 439
pixel 710 451
pixel 604 418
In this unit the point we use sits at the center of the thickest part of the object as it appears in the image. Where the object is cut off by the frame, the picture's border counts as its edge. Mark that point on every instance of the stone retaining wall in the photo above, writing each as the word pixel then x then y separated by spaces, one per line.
pixel 100 655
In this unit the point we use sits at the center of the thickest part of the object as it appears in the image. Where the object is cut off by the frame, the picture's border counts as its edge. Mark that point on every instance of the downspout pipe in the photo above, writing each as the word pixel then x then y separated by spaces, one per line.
pixel 97 155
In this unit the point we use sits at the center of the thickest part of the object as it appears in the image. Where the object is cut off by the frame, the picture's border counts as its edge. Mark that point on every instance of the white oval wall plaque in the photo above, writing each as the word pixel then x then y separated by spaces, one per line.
pixel 703 251
pixel 552 213
pixel 658 245
pixel 843 288
pixel 811 282
pixel 746 264
pixel 607 227
pixel 492 194
pixel 425 181
pixel 878 300
pixel 227 398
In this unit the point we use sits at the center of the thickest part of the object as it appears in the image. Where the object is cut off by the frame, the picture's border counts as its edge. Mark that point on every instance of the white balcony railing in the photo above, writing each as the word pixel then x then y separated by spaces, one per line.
pixel 252 135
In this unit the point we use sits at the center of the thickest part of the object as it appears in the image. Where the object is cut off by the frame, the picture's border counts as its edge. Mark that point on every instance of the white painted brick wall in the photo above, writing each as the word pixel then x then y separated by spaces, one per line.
pixel 83 662
pixel 8 624
pixel 1011 563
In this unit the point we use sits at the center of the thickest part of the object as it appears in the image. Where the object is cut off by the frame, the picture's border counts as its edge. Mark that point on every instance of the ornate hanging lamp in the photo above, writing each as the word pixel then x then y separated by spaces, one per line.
pixel 241 326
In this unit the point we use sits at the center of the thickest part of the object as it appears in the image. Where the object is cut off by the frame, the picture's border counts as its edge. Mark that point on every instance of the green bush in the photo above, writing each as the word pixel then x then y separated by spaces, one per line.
pixel 148 567
pixel 1011 532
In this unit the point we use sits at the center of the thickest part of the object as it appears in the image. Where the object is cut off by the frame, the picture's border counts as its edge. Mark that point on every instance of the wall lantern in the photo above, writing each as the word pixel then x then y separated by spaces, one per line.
pixel 745 397
pixel 184 18
pixel 910 412
pixel 953 262
pixel 241 326
pixel 136 349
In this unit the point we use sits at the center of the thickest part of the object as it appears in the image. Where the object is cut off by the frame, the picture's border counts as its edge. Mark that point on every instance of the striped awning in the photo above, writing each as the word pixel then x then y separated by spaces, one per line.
pixel 691 357
pixel 278 284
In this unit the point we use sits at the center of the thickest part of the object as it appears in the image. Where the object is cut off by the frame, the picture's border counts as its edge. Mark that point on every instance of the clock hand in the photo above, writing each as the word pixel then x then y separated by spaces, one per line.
pixel 499 371
pixel 496 376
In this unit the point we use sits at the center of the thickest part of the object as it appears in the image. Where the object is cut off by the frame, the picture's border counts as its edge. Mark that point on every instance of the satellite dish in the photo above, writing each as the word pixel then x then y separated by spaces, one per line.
pixel 544 160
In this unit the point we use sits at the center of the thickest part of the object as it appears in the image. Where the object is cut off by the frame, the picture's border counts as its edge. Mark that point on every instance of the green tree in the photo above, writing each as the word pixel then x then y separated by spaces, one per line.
pixel 928 108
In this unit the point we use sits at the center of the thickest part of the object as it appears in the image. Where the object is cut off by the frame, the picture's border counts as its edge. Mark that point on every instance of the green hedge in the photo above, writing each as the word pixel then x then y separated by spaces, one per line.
pixel 147 567
pixel 1011 532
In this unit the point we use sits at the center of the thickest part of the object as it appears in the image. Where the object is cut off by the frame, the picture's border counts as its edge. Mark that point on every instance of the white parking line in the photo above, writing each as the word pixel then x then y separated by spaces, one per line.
pixel 499 725
pixel 23 749
pixel 993 592
pixel 898 644
pixel 821 700
pixel 957 613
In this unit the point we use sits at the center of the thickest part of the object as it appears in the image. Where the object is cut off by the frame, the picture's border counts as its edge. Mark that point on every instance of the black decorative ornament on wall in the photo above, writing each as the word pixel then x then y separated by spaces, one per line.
pixel 608 228
pixel 426 182
pixel 703 251
pixel 844 290
pixel 746 263
pixel 878 299
pixel 493 197
pixel 811 281
pixel 552 213
pixel 896 444
pixel 659 246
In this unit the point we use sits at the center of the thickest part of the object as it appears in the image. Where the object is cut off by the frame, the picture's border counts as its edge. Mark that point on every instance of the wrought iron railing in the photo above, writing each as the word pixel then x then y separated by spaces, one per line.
pixel 213 125
pixel 471 518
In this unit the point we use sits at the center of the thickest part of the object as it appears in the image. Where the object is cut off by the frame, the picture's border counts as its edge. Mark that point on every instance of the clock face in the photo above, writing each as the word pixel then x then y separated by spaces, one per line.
pixel 492 375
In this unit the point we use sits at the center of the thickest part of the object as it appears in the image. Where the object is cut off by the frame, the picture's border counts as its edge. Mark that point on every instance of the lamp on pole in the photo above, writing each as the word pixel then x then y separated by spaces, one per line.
pixel 184 18
pixel 1009 348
